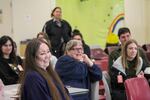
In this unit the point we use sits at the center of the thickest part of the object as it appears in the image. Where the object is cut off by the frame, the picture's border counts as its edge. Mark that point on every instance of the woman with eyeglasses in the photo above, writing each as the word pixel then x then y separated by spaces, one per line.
pixel 76 69
pixel 77 35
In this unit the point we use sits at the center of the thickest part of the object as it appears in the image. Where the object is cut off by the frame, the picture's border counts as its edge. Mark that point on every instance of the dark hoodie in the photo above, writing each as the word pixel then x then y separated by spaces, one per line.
pixel 77 74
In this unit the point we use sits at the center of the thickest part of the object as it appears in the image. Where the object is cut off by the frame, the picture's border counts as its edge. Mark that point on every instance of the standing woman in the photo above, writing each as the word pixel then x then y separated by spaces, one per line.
pixel 128 65
pixel 59 32
pixel 10 64
pixel 40 81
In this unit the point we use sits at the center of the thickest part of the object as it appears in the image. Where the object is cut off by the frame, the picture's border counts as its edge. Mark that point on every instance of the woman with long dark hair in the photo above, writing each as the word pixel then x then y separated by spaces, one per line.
pixel 44 36
pixel 40 81
pixel 10 64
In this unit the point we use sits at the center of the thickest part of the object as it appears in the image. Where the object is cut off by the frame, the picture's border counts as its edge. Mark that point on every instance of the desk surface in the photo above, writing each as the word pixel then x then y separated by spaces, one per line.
pixel 11 90
pixel 76 91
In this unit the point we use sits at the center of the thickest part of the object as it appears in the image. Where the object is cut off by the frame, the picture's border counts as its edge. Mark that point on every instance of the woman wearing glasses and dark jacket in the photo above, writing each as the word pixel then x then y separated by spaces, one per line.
pixel 77 70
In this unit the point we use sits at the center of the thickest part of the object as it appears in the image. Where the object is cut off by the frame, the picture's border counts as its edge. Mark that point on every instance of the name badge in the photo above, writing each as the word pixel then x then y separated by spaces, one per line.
pixel 120 79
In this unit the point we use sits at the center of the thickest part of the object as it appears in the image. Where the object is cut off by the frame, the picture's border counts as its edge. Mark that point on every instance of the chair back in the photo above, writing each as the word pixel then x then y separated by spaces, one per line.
pixel 146 47
pixel 98 53
pixel 95 91
pixel 137 89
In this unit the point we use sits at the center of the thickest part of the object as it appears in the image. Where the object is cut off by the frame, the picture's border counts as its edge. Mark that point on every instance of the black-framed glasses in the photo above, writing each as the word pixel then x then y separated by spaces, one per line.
pixel 77 49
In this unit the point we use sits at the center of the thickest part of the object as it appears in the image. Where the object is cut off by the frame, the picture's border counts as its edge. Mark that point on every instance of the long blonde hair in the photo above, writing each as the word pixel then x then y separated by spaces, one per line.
pixel 124 54
pixel 48 75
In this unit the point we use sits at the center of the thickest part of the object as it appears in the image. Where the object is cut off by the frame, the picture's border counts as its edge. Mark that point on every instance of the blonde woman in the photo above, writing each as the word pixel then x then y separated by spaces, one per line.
pixel 128 65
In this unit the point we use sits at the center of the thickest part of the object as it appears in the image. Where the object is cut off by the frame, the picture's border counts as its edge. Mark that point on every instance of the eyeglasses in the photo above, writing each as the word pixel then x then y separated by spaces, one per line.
pixel 77 49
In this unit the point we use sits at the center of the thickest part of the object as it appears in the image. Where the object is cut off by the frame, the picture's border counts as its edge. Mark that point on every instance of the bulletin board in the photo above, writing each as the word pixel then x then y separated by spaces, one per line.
pixel 96 19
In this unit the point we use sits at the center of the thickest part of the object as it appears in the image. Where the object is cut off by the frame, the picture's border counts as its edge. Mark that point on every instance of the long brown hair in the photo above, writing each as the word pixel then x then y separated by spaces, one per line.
pixel 48 75
pixel 124 54
pixel 12 55
pixel 45 36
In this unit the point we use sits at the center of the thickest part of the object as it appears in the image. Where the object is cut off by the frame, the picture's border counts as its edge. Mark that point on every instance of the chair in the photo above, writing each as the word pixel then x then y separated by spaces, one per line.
pixel 148 55
pixel 103 64
pixel 137 89
pixel 98 53
pixel 106 80
pixel 98 86
pixel 95 90
pixel 146 47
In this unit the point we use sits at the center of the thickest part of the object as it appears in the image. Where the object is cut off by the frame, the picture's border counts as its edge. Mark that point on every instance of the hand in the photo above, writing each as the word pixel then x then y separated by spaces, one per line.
pixel 87 60
pixel 79 57
pixel 141 74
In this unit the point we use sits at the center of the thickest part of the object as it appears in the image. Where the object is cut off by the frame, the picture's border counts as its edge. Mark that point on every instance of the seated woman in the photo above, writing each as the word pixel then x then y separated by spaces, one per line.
pixel 10 64
pixel 76 69
pixel 40 81
pixel 45 36
pixel 78 36
pixel 128 65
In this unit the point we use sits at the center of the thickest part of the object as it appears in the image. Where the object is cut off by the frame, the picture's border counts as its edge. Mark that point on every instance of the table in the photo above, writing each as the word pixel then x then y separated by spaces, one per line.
pixel 10 91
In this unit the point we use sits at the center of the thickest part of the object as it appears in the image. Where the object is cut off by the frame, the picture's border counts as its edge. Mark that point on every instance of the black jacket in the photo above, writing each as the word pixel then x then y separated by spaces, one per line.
pixel 7 74
pixel 77 74
pixel 58 35
pixel 87 50
pixel 118 89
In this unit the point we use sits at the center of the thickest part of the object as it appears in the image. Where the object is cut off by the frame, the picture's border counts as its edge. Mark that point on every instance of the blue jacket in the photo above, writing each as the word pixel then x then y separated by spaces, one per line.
pixel 77 74
pixel 36 88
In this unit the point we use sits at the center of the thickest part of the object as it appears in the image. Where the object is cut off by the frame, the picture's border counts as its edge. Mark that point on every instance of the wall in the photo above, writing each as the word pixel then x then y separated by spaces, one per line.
pixel 6 23
pixel 29 17
pixel 95 29
pixel 136 19
pixel 148 21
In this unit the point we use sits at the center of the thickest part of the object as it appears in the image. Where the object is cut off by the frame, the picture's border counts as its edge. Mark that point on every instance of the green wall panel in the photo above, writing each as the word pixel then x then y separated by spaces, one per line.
pixel 92 17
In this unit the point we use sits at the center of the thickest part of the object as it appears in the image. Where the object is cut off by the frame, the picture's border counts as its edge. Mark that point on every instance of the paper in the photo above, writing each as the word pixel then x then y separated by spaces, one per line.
pixel 76 91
